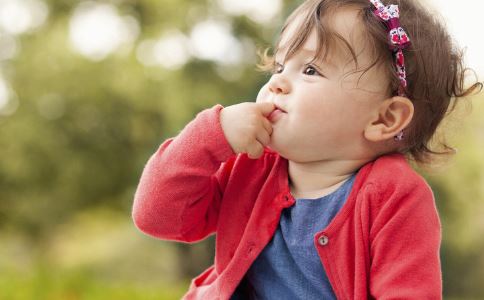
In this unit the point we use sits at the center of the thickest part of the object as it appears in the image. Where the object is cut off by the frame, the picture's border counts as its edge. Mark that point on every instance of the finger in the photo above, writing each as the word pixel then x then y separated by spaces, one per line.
pixel 255 150
pixel 263 138
pixel 267 126
pixel 266 108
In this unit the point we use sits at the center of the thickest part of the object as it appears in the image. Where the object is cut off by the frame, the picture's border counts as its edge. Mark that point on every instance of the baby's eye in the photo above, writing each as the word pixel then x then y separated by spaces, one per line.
pixel 310 70
pixel 278 68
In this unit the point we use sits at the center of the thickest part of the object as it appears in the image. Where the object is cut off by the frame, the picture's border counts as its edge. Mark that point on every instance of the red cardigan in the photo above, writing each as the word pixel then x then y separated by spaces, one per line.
pixel 384 243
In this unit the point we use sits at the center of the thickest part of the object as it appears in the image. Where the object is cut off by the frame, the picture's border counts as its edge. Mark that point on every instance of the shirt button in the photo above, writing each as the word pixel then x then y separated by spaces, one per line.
pixel 323 240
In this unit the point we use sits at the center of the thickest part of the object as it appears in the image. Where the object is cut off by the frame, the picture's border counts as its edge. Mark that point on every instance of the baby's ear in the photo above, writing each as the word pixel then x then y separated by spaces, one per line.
pixel 393 115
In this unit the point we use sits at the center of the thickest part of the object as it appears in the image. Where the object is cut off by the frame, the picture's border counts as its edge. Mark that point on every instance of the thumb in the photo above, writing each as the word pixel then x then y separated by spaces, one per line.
pixel 266 108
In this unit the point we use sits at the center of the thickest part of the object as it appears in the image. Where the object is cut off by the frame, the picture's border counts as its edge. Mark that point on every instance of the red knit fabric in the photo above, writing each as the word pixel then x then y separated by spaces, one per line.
pixel 384 243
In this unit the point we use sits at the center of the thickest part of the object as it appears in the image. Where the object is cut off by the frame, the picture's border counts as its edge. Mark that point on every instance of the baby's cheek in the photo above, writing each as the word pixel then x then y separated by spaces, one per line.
pixel 263 95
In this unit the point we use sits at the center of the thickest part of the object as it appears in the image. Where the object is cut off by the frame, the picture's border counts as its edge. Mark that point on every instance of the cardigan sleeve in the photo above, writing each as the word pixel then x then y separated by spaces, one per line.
pixel 181 187
pixel 404 244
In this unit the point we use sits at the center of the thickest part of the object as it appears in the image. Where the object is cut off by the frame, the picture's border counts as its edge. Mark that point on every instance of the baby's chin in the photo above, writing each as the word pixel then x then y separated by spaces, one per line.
pixel 284 151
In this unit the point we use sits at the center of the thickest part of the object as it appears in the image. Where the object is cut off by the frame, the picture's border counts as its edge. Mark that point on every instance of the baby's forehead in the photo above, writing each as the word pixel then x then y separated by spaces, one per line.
pixel 308 52
pixel 339 37
pixel 312 49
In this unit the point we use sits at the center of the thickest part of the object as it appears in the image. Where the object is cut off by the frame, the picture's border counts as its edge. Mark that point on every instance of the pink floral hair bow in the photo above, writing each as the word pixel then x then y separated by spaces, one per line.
pixel 399 39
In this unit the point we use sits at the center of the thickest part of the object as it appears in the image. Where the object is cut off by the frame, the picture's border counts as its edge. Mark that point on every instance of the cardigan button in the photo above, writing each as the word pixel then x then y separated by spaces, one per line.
pixel 250 249
pixel 323 240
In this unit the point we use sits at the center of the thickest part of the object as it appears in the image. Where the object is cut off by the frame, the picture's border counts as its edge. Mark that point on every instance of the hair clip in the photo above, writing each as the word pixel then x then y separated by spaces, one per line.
pixel 399 39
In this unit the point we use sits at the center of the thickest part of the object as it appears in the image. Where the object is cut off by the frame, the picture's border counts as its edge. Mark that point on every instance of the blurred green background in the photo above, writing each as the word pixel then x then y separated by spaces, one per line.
pixel 89 89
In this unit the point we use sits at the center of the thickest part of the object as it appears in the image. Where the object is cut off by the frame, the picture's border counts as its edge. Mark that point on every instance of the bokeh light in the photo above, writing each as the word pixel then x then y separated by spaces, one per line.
pixel 20 16
pixel 261 12
pixel 462 19
pixel 97 30
pixel 213 40
pixel 8 99
pixel 171 51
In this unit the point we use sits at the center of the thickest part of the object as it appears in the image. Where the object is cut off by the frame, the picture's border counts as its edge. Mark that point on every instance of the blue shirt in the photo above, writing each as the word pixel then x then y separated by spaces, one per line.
pixel 289 267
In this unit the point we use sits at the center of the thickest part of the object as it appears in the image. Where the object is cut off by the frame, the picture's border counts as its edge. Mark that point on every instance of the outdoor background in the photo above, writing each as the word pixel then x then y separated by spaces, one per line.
pixel 89 89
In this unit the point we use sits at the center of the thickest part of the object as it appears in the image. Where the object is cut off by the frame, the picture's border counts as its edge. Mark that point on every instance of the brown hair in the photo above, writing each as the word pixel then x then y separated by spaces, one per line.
pixel 435 69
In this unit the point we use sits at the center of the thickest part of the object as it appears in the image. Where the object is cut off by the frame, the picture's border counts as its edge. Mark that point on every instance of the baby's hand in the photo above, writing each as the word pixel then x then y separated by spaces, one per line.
pixel 247 128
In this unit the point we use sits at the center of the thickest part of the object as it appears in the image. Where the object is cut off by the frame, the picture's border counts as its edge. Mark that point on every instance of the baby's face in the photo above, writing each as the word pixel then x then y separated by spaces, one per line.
pixel 326 110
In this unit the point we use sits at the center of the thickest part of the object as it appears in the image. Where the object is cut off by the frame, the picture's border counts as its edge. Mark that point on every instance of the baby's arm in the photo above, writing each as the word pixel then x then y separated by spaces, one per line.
pixel 178 195
pixel 182 185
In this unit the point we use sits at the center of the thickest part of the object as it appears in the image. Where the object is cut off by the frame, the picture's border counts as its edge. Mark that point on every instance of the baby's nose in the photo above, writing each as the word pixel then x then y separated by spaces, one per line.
pixel 279 85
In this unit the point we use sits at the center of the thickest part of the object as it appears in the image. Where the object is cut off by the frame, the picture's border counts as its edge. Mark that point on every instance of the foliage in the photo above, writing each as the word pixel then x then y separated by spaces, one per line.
pixel 45 283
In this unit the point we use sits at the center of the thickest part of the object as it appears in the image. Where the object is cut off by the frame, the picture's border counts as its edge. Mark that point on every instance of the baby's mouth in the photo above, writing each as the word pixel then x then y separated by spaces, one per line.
pixel 275 114
pixel 279 108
